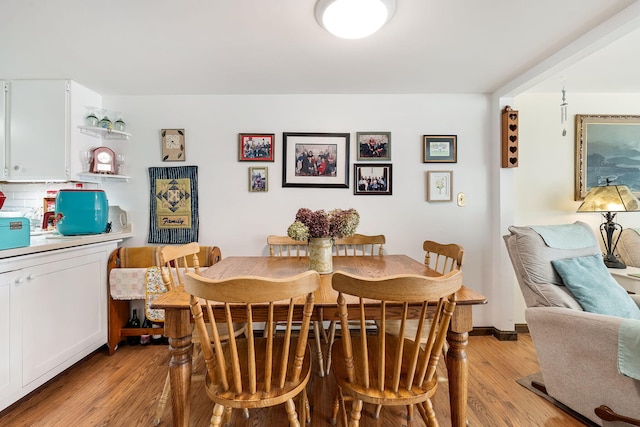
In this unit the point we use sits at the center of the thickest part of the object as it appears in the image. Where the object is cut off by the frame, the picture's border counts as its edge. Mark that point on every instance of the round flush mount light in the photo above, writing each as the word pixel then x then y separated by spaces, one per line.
pixel 354 19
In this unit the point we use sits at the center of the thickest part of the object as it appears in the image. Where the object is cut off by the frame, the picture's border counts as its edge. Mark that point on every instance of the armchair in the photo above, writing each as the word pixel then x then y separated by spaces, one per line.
pixel 577 350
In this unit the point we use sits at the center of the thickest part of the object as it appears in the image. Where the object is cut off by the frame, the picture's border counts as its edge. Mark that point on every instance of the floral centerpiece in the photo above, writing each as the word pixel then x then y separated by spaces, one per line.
pixel 321 228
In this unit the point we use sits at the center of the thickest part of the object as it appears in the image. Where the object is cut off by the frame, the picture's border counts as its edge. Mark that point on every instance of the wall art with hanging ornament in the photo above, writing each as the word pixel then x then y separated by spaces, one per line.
pixel 509 138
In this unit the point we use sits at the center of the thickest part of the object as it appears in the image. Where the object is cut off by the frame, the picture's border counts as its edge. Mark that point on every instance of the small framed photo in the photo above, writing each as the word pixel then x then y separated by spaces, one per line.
pixel 439 148
pixel 255 147
pixel 173 145
pixel 372 179
pixel 439 186
pixel 315 160
pixel 374 145
pixel 258 179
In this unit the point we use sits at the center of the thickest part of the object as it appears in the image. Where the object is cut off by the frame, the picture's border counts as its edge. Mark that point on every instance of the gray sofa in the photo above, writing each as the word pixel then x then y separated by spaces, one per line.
pixel 577 350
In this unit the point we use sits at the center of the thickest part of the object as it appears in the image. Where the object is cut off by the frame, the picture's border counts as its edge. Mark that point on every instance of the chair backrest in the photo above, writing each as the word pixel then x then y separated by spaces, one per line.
pixel 531 258
pixel 359 245
pixel 286 246
pixel 389 355
pixel 442 258
pixel 176 261
pixel 282 362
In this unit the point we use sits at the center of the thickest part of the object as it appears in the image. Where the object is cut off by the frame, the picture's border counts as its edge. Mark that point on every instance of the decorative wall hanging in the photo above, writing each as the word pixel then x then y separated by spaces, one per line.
pixel 606 147
pixel 374 145
pixel 439 149
pixel 259 179
pixel 439 186
pixel 173 145
pixel 174 205
pixel 372 178
pixel 255 147
pixel 315 160
pixel 509 138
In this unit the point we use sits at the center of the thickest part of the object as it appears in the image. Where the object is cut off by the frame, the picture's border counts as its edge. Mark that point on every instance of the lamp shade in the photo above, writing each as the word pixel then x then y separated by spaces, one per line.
pixel 609 198
pixel 354 19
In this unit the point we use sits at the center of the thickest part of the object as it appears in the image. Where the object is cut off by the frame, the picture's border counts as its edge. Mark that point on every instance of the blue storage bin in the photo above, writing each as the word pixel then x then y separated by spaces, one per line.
pixel 81 212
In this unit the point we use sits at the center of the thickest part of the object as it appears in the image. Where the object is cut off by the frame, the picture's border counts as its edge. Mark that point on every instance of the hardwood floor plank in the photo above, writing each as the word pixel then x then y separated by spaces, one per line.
pixel 123 390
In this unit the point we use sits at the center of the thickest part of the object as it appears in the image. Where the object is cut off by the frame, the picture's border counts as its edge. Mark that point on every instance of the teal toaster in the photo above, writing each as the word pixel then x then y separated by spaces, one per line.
pixel 14 232
pixel 81 212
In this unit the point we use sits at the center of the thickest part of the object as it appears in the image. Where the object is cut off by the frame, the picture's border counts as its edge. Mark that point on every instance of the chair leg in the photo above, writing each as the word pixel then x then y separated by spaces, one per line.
pixel 356 412
pixel 216 418
pixel 376 412
pixel 291 413
pixel 162 402
pixel 317 332
pixel 428 414
pixel 332 336
pixel 307 407
pixel 335 409
pixel 409 412
pixel 227 415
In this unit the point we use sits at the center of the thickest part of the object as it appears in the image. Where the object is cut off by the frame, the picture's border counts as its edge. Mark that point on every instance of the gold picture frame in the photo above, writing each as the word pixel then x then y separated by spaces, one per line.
pixel 607 146
pixel 259 179
pixel 173 145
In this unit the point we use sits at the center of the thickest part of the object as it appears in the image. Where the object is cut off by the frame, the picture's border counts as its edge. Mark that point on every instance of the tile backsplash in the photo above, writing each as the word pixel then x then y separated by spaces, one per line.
pixel 27 198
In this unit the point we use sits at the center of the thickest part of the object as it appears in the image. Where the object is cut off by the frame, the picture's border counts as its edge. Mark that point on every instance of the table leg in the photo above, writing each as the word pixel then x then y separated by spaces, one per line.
pixel 178 329
pixel 457 364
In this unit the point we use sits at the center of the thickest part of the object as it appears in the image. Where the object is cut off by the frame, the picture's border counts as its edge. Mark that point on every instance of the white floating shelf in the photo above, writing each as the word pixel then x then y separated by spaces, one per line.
pixel 104 133
pixel 99 177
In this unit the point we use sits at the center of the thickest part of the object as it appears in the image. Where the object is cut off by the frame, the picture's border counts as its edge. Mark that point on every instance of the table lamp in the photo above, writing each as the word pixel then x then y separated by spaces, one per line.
pixel 610 199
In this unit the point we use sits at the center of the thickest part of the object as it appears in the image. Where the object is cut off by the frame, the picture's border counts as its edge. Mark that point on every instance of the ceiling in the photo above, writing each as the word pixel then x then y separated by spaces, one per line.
pixel 154 47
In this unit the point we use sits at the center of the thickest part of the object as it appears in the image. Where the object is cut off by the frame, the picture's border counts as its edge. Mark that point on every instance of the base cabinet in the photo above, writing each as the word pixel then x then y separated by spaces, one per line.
pixel 55 307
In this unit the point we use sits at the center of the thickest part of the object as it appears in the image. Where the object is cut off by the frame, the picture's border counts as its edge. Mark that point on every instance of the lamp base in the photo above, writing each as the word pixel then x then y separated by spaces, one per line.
pixel 614 263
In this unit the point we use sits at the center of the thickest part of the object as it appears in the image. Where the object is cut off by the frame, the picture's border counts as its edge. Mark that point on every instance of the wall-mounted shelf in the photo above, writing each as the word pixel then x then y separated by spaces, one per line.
pixel 104 133
pixel 99 177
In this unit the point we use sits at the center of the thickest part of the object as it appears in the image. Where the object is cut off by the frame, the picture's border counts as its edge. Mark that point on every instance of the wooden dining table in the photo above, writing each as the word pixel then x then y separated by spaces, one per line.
pixel 178 325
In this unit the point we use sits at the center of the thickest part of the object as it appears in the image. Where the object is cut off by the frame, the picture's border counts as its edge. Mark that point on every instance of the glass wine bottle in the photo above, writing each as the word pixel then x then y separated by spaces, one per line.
pixel 134 323
pixel 156 338
pixel 145 339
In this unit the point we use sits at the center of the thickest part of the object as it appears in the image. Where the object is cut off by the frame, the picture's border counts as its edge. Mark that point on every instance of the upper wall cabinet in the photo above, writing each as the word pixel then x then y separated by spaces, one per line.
pixel 38 144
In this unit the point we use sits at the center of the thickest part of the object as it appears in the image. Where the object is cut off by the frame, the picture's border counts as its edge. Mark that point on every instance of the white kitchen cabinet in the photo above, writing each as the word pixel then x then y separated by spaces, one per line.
pixel 9 336
pixel 55 306
pixel 4 87
pixel 39 144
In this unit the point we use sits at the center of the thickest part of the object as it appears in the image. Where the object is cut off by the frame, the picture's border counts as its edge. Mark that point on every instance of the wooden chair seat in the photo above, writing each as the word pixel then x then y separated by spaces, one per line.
pixel 406 394
pixel 260 399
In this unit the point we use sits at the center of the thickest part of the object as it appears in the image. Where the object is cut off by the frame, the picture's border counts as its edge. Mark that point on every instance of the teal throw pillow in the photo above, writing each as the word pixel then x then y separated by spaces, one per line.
pixel 591 284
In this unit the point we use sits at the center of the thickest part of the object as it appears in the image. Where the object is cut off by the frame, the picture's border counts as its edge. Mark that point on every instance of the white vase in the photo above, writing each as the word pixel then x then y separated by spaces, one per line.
pixel 320 255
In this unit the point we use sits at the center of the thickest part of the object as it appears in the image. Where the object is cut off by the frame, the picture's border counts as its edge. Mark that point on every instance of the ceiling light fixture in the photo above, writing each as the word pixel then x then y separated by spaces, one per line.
pixel 354 19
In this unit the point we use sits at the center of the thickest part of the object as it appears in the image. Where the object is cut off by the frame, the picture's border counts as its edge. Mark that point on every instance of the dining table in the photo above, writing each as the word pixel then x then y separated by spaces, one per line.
pixel 178 325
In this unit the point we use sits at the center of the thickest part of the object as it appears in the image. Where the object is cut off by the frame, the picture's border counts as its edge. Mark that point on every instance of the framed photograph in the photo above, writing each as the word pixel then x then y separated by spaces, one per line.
pixel 372 179
pixel 374 145
pixel 315 160
pixel 259 179
pixel 607 147
pixel 173 145
pixel 255 147
pixel 439 186
pixel 440 148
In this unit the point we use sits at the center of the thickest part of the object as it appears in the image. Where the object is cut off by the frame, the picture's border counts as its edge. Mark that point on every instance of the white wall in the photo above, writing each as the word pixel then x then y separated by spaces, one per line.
pixel 544 180
pixel 239 221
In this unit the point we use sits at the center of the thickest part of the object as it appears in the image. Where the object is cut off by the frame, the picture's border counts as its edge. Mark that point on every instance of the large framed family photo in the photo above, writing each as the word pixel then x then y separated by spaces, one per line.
pixel 315 160
pixel 607 148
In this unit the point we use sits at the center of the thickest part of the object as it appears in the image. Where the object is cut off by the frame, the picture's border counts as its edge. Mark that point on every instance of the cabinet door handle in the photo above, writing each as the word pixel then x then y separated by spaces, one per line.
pixel 19 280
pixel 31 276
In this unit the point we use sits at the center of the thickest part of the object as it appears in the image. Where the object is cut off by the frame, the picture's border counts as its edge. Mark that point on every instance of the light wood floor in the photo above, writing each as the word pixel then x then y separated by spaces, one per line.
pixel 122 390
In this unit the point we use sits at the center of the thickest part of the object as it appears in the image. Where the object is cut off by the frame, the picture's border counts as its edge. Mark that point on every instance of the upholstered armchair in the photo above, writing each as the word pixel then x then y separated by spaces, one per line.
pixel 628 248
pixel 577 349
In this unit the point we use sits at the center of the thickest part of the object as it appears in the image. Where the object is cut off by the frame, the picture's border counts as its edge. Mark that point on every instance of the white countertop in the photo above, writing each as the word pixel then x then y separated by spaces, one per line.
pixel 50 242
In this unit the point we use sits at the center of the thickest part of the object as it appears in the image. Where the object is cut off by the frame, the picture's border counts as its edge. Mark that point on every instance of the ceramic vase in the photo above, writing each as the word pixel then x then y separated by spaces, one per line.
pixel 320 255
